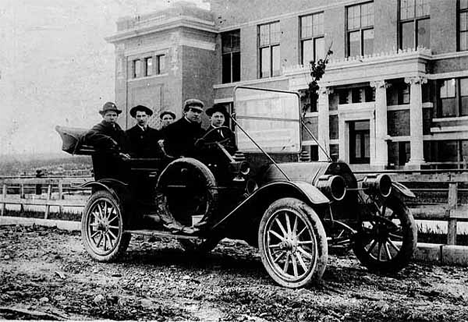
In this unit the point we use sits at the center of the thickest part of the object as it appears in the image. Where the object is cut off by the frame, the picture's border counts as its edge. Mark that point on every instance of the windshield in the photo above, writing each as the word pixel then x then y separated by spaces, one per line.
pixel 270 117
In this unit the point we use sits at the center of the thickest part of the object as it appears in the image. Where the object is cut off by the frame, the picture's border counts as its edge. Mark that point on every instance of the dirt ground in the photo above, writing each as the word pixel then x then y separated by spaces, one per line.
pixel 46 275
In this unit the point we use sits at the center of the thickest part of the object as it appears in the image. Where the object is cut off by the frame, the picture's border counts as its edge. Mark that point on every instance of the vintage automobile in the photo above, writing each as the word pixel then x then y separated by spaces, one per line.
pixel 266 195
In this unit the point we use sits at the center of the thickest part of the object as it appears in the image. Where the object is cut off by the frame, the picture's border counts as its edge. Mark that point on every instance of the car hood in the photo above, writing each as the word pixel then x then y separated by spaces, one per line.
pixel 309 172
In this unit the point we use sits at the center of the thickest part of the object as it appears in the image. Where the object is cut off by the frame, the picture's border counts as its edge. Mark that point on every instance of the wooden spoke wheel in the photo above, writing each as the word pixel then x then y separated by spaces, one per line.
pixel 387 240
pixel 292 243
pixel 102 227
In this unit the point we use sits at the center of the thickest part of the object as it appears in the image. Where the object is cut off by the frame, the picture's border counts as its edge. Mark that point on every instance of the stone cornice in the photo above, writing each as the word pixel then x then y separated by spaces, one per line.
pixel 158 25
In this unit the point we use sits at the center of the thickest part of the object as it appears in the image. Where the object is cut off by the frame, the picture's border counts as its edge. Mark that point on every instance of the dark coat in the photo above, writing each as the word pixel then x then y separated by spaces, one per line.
pixel 144 144
pixel 180 138
pixel 220 135
pixel 108 141
pixel 105 137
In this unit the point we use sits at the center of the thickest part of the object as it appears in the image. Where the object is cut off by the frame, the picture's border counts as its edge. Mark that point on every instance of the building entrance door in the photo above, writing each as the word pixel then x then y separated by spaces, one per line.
pixel 359 140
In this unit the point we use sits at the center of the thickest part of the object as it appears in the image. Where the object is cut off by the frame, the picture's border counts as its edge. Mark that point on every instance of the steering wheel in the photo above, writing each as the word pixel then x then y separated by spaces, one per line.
pixel 204 141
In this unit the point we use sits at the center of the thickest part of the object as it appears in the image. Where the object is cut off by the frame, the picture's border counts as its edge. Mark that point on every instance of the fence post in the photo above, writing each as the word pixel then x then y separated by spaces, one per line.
pixel 49 194
pixel 22 196
pixel 452 205
pixel 4 193
pixel 60 194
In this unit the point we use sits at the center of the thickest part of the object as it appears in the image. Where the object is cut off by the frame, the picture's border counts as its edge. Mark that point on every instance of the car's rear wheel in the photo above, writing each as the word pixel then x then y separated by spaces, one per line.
pixel 102 227
pixel 292 243
pixel 387 240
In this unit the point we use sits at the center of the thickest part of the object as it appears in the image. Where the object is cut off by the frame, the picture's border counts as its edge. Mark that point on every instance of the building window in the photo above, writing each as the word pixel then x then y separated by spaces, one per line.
pixel 148 66
pixel 136 68
pixel 230 50
pixel 359 133
pixel 453 97
pixel 356 95
pixel 360 29
pixel 269 49
pixel 312 38
pixel 414 24
pixel 398 94
pixel 463 37
pixel 160 64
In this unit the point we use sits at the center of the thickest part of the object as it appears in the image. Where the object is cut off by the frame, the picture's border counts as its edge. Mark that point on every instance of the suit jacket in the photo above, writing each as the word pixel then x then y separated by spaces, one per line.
pixel 181 136
pixel 144 144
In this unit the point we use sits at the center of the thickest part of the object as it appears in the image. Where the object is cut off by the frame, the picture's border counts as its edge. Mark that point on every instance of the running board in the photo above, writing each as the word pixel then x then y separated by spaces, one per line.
pixel 160 233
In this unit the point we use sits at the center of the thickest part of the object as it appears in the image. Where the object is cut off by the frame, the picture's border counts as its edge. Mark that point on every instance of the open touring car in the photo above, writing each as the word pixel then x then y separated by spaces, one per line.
pixel 265 195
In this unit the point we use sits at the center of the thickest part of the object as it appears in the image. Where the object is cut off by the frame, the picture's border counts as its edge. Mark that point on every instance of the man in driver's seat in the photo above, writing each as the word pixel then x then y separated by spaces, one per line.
pixel 217 156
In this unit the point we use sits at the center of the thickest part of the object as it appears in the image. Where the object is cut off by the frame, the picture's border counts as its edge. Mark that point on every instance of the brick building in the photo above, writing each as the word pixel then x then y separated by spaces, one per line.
pixel 395 92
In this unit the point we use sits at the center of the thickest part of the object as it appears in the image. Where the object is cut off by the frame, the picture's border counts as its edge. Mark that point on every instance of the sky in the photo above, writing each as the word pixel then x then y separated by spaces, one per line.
pixel 56 67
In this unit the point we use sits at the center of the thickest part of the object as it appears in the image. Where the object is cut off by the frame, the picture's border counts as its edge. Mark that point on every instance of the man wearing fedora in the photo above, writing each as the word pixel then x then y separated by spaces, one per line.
pixel 143 138
pixel 111 145
pixel 217 132
pixel 181 135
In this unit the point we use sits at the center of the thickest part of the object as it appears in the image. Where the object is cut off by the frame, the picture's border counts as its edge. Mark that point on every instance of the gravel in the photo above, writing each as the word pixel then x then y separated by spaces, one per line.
pixel 45 274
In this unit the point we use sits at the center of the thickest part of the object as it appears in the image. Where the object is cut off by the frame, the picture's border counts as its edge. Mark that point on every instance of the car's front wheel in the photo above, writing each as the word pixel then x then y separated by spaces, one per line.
pixel 292 243
pixel 386 240
pixel 102 227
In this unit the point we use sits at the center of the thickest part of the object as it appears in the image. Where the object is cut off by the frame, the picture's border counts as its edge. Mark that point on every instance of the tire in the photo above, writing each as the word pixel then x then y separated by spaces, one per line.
pixel 102 227
pixel 190 189
pixel 199 246
pixel 292 243
pixel 387 242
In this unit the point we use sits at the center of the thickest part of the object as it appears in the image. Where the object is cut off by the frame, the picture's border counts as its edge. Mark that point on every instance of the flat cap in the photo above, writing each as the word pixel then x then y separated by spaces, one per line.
pixel 167 113
pixel 193 102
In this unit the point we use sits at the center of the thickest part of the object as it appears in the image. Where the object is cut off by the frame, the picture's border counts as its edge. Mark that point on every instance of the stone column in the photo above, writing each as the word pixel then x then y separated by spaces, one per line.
pixel 381 128
pixel 324 123
pixel 416 121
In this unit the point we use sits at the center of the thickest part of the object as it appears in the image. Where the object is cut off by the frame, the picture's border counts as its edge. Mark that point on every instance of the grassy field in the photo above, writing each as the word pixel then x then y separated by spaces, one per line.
pixel 53 165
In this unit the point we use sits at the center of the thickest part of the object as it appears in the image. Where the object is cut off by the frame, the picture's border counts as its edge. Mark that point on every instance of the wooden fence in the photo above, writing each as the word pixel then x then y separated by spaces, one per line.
pixel 441 196
pixel 59 192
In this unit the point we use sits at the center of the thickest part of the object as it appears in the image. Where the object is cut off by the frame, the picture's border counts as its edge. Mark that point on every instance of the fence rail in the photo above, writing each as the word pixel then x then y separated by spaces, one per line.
pixel 450 191
pixel 56 191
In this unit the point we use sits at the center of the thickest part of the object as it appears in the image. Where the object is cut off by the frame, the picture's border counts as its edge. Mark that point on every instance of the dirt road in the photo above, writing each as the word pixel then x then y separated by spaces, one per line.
pixel 45 274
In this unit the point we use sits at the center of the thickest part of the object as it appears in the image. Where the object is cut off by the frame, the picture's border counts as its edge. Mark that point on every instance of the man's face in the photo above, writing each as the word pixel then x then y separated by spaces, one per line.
pixel 166 120
pixel 193 114
pixel 217 119
pixel 110 117
pixel 141 118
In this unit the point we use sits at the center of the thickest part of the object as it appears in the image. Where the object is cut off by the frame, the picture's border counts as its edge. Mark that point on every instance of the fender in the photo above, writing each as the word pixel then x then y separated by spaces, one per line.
pixel 263 196
pixel 110 185
pixel 401 188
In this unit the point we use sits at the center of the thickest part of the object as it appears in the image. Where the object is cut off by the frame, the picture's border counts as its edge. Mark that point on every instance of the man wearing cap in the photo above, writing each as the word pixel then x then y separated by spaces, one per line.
pixel 167 118
pixel 111 145
pixel 181 135
pixel 143 138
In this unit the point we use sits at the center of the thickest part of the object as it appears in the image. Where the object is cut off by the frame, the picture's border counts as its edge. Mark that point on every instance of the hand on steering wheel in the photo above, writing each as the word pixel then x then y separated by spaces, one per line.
pixel 203 140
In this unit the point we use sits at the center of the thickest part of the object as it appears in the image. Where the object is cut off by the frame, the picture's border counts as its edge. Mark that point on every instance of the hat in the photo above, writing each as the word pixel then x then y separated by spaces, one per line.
pixel 166 113
pixel 109 106
pixel 193 102
pixel 217 108
pixel 140 108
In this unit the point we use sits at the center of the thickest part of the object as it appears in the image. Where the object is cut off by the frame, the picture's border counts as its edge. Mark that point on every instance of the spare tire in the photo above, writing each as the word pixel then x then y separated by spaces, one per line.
pixel 189 189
